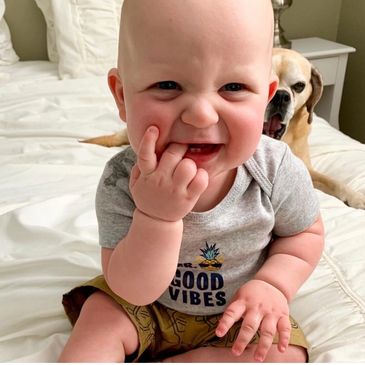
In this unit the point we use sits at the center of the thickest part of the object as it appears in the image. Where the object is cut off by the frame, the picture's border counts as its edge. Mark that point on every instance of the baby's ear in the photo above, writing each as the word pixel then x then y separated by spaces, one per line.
pixel 273 86
pixel 116 87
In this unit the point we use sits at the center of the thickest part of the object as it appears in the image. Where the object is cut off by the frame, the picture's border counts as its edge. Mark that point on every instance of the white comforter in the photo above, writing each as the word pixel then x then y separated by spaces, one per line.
pixel 48 228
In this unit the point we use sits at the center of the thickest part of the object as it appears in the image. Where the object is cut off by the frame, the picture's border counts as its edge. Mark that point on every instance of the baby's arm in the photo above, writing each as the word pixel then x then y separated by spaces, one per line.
pixel 292 259
pixel 263 301
pixel 142 265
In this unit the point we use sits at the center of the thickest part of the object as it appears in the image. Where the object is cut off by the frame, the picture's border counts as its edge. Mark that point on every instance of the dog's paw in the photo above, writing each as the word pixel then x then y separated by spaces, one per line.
pixel 354 199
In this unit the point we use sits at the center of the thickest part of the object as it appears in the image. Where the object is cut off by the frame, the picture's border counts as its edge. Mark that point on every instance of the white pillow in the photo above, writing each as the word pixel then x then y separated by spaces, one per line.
pixel 7 53
pixel 82 35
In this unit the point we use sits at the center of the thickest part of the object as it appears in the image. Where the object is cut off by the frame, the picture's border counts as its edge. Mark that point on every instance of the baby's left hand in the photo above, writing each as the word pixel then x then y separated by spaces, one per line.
pixel 262 307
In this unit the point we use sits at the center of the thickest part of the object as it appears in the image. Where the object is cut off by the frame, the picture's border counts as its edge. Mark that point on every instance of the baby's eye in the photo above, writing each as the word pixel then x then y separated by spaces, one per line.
pixel 168 85
pixel 233 86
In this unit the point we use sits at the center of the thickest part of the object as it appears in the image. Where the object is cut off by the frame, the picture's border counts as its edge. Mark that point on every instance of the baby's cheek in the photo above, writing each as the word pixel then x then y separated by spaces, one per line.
pixel 137 129
pixel 247 134
pixel 134 135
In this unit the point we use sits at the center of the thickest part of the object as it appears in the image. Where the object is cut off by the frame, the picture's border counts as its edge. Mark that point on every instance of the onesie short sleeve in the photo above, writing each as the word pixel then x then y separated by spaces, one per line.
pixel 295 202
pixel 114 204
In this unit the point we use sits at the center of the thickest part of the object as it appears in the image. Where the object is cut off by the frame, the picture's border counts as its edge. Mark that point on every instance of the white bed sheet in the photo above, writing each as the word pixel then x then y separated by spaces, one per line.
pixel 48 228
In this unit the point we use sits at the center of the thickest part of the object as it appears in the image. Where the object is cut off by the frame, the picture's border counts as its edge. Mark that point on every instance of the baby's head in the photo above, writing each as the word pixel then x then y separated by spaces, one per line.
pixel 198 70
pixel 147 23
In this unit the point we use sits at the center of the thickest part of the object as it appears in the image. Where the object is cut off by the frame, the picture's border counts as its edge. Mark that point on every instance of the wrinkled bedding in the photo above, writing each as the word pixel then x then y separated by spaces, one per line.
pixel 48 228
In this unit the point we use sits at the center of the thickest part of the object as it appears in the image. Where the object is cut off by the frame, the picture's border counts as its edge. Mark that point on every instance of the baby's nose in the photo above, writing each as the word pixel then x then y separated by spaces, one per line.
pixel 200 113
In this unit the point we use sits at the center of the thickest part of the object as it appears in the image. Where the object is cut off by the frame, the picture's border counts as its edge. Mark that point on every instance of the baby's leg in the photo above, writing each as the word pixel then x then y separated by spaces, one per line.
pixel 102 333
pixel 221 354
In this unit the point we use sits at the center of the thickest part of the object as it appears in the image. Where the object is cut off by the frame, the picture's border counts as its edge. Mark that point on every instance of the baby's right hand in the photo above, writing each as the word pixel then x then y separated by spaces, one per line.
pixel 169 188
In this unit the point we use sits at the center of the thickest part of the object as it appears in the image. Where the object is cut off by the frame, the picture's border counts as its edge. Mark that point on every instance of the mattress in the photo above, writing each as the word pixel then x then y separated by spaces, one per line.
pixel 48 227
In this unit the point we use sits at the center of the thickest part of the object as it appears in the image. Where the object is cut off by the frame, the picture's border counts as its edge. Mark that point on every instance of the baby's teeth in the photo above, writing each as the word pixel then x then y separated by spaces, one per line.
pixel 195 149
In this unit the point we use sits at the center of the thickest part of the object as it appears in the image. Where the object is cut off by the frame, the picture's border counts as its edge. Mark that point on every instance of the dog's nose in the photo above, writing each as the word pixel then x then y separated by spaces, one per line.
pixel 281 98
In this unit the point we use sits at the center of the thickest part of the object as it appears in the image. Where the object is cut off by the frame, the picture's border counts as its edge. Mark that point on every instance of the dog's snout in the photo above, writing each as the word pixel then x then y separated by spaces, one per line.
pixel 281 98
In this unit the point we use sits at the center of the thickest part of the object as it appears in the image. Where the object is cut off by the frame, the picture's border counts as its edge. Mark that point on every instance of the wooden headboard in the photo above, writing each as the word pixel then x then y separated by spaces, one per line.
pixel 27 28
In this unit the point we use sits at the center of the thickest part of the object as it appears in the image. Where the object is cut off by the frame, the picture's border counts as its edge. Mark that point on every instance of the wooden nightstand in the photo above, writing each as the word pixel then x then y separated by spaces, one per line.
pixel 330 58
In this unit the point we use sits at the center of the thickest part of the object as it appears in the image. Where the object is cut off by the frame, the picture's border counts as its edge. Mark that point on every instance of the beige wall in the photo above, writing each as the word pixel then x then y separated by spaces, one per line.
pixel 312 18
pixel 28 29
pixel 336 20
pixel 342 21
pixel 351 31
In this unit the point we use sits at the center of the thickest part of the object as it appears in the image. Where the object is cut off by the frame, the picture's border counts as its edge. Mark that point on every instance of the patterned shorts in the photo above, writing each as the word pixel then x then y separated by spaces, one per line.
pixel 164 332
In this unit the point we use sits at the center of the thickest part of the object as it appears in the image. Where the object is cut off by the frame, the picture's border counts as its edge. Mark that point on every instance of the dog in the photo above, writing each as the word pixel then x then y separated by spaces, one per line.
pixel 288 117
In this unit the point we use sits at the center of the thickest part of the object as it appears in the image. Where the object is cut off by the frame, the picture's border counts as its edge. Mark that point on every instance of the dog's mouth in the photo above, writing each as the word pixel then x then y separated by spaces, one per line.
pixel 274 126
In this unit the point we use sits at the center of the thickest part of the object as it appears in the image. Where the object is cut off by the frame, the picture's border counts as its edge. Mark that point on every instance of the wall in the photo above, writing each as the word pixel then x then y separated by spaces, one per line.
pixel 29 40
pixel 312 18
pixel 341 21
pixel 351 31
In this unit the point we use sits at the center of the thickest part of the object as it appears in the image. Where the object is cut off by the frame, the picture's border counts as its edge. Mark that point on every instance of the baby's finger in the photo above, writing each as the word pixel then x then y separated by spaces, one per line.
pixel 284 330
pixel 267 333
pixel 171 157
pixel 185 171
pixel 134 175
pixel 199 183
pixel 250 325
pixel 146 156
pixel 231 315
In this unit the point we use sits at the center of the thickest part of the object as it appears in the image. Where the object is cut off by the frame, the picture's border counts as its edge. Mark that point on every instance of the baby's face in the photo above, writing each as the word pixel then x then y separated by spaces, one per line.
pixel 201 74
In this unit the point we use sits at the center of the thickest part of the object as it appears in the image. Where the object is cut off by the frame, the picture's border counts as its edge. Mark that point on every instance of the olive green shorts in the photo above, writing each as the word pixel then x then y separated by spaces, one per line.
pixel 162 331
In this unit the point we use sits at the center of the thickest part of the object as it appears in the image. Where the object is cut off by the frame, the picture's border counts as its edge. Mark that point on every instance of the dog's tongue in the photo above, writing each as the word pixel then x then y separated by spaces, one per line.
pixel 272 125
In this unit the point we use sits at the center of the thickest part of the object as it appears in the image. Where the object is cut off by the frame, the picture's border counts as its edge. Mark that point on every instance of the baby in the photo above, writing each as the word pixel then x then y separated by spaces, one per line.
pixel 208 229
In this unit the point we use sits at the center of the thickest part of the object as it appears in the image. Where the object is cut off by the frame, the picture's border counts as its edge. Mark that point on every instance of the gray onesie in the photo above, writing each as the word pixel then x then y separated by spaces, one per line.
pixel 222 248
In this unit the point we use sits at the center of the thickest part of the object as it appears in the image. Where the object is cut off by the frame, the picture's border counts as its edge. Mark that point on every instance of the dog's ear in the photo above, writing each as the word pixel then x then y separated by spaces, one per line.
pixel 317 89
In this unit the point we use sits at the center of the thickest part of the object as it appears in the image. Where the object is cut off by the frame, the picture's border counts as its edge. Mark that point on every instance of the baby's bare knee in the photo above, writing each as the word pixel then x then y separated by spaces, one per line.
pixel 224 354
pixel 292 354
pixel 298 354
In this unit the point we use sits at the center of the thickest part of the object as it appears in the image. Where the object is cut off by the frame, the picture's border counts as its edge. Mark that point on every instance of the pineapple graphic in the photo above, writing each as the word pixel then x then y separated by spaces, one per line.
pixel 210 258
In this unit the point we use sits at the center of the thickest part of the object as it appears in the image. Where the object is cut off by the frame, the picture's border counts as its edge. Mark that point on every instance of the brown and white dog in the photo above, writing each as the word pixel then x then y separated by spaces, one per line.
pixel 288 118
pixel 289 115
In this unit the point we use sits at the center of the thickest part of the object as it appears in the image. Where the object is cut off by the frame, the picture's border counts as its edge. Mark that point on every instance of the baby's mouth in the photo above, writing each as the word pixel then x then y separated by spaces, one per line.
pixel 202 152
pixel 202 148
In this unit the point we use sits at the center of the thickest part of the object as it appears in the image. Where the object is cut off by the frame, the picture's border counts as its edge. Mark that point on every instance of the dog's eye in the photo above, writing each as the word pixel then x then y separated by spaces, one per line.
pixel 298 87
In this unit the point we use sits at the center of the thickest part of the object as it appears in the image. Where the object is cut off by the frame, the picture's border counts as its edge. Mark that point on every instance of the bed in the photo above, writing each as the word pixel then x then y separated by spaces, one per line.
pixel 48 227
